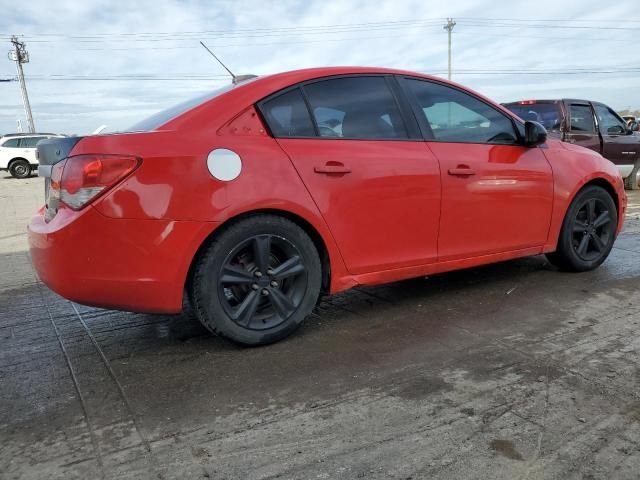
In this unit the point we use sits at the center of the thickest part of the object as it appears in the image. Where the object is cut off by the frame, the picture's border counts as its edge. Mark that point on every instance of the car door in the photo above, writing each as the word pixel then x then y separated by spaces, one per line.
pixel 581 126
pixel 618 147
pixel 8 151
pixel 496 194
pixel 377 188
pixel 28 147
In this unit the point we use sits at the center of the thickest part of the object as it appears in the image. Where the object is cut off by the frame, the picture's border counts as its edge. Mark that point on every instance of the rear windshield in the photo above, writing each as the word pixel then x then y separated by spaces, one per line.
pixel 160 118
pixel 548 114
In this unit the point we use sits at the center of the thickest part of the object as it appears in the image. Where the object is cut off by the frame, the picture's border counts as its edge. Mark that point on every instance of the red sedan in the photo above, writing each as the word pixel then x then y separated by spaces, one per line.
pixel 256 198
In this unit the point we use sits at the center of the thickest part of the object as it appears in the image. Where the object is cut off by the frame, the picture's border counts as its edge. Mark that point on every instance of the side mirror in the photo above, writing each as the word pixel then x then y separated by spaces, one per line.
pixel 534 134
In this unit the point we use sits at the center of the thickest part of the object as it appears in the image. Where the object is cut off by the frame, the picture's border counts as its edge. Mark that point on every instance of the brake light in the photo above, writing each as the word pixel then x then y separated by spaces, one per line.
pixel 81 179
pixel 527 102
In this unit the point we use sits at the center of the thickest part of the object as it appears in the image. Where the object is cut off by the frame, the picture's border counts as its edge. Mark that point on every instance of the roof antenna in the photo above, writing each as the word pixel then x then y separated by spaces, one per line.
pixel 234 79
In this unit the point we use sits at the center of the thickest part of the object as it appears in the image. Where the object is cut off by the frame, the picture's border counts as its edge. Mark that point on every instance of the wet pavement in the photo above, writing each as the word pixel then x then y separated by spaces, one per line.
pixel 508 371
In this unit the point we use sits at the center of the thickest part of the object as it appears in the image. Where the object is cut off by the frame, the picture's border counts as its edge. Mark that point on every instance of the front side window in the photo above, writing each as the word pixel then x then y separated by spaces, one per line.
pixel 355 108
pixel 455 116
pixel 11 143
pixel 288 116
pixel 581 119
pixel 609 121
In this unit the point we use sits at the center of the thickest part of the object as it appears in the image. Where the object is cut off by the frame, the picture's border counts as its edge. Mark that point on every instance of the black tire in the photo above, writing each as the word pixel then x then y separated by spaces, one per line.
pixel 588 231
pixel 20 168
pixel 257 281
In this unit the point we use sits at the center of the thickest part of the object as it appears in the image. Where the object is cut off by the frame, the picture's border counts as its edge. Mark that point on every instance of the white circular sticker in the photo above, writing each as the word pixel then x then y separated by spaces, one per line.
pixel 224 164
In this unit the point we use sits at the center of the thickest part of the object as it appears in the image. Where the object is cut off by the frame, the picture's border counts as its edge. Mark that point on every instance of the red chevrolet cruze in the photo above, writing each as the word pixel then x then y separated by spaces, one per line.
pixel 256 198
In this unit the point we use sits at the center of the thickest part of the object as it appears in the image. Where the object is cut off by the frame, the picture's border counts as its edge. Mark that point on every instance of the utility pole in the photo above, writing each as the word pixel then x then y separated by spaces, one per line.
pixel 20 55
pixel 449 28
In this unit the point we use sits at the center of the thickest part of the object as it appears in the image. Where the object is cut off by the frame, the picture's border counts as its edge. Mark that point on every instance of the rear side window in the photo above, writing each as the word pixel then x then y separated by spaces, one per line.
pixel 582 119
pixel 30 142
pixel 356 108
pixel 158 119
pixel 455 116
pixel 548 114
pixel 288 116
pixel 11 143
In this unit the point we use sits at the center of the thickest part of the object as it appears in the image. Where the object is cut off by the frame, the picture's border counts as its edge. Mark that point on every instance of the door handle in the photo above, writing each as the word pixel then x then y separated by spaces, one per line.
pixel 332 169
pixel 461 171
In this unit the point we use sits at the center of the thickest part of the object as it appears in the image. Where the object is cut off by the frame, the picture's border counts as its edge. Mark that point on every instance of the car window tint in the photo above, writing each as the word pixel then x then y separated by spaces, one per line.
pixel 609 122
pixel 11 143
pixel 582 119
pixel 288 116
pixel 30 142
pixel 355 107
pixel 455 116
pixel 158 119
pixel 548 114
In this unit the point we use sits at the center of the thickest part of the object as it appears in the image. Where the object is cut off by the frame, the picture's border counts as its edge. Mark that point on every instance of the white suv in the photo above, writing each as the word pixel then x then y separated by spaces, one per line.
pixel 18 152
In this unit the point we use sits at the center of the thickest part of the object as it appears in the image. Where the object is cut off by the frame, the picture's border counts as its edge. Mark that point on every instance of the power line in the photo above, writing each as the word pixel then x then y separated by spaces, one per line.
pixel 319 30
pixel 436 71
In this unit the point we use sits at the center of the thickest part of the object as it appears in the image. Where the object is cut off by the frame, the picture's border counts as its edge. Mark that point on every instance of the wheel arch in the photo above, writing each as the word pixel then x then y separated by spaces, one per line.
pixel 605 185
pixel 303 223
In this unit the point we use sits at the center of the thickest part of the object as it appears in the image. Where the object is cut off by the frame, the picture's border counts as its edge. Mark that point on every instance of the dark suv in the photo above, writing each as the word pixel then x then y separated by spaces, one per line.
pixel 590 124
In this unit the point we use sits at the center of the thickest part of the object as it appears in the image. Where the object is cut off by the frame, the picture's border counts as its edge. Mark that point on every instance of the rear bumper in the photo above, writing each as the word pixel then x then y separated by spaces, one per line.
pixel 126 264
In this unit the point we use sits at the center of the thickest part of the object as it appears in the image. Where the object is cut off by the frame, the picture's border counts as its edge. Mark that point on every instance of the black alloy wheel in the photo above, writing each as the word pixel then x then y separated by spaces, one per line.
pixel 262 282
pixel 592 229
pixel 588 231
pixel 256 280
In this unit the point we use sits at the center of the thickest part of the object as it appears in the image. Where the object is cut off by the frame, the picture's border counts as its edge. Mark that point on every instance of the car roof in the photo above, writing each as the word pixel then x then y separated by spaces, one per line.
pixel 249 92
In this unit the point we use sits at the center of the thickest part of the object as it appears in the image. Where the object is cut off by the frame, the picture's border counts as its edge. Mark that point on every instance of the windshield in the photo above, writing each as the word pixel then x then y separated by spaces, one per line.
pixel 160 118
pixel 548 114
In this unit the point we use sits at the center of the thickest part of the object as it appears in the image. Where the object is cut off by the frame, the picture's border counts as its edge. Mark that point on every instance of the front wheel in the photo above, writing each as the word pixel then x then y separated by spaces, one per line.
pixel 257 281
pixel 588 231
pixel 20 169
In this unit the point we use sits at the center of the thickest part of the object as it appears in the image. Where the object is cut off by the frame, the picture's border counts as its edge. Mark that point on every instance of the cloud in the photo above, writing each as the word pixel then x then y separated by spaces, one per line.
pixel 94 39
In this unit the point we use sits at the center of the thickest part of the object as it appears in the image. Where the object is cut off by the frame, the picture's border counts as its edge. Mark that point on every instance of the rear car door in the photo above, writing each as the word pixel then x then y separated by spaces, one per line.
pixel 581 126
pixel 365 166
pixel 496 194
pixel 28 147
pixel 620 148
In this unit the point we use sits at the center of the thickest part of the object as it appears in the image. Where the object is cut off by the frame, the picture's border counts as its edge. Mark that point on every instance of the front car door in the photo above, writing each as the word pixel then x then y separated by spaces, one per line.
pixel 496 194
pixel 581 126
pixel 365 166
pixel 618 147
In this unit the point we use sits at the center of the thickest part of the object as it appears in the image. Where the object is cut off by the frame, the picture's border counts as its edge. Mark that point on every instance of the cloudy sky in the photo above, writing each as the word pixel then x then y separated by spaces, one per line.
pixel 115 62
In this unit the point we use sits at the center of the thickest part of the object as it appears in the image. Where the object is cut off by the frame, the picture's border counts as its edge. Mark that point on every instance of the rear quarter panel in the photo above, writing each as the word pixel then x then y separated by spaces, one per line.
pixel 174 182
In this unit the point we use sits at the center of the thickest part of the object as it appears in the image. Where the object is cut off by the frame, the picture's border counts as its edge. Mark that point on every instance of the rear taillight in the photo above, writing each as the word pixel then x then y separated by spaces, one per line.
pixel 81 179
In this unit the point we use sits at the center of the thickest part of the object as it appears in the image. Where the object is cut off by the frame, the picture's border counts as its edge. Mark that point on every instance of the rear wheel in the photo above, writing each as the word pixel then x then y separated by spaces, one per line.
pixel 20 169
pixel 588 231
pixel 257 281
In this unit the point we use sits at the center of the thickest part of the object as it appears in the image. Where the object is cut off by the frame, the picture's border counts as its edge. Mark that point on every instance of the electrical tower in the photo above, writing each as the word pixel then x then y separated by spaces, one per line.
pixel 449 28
pixel 20 55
